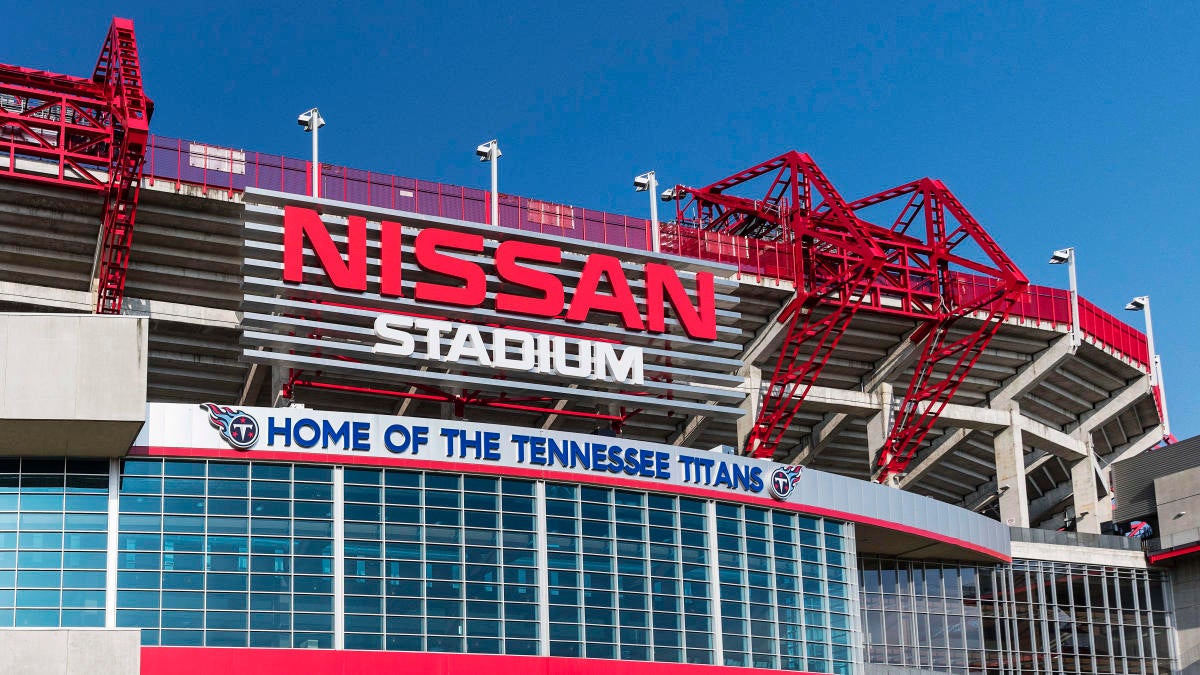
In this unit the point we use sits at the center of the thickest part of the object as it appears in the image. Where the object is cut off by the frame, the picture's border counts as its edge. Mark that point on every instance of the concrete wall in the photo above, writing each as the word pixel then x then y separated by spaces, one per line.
pixel 1178 497
pixel 1185 588
pixel 71 384
pixel 1087 555
pixel 70 651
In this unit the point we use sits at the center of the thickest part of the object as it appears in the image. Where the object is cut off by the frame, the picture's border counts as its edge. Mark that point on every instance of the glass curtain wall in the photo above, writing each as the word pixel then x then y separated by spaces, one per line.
pixel 1073 618
pixel 221 553
pixel 440 562
pixel 53 526
pixel 226 553
pixel 1027 617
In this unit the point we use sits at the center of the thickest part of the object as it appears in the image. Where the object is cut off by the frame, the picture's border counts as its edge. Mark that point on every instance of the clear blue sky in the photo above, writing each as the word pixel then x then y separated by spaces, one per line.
pixel 1057 124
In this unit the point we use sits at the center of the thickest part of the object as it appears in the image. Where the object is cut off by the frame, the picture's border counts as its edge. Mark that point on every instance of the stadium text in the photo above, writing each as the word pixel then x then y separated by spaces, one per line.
pixel 509 349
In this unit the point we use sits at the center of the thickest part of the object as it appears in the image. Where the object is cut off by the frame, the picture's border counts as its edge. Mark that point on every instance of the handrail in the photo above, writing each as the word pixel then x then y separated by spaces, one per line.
pixel 1053 306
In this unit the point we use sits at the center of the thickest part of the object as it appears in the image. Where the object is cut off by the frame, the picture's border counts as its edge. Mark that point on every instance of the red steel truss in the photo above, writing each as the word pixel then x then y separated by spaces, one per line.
pixel 87 134
pixel 845 263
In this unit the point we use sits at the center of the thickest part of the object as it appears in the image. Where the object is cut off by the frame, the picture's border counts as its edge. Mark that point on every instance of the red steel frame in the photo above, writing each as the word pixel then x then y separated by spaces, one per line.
pixel 845 263
pixel 88 134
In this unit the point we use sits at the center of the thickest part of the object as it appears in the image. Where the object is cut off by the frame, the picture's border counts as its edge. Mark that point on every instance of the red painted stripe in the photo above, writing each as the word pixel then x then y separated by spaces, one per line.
pixel 210 660
pixel 1167 555
pixel 562 476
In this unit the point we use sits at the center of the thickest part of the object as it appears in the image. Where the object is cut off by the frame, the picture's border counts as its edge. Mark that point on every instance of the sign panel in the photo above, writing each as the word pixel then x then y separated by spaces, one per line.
pixel 382 298
pixel 348 437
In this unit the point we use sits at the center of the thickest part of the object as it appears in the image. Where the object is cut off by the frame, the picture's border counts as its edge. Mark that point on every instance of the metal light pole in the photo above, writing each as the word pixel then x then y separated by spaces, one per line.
pixel 648 183
pixel 311 120
pixel 1142 303
pixel 1067 255
pixel 490 152
pixel 1162 395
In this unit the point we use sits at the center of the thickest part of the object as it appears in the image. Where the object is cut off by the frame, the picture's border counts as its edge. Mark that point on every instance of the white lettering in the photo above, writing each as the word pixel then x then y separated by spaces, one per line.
pixel 583 358
pixel 467 342
pixel 509 349
pixel 501 337
pixel 398 342
pixel 544 355
pixel 626 367
pixel 433 336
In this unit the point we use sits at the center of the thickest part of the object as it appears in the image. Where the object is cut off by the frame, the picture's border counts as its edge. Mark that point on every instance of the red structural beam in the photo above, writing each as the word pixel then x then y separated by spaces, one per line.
pixel 844 263
pixel 51 135
pixel 120 70
pixel 84 134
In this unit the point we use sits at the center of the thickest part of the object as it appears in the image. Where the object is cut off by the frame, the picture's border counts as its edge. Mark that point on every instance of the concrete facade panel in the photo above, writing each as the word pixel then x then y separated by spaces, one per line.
pixel 1185 587
pixel 1178 497
pixel 103 652
pixel 40 373
pixel 75 384
pixel 73 651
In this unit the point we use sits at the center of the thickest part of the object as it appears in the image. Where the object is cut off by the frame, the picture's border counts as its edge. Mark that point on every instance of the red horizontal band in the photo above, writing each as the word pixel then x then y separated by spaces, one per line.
pixel 209 660
pixel 1175 553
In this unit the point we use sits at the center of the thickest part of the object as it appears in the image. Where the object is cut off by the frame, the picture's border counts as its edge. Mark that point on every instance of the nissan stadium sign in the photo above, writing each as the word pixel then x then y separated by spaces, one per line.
pixel 376 298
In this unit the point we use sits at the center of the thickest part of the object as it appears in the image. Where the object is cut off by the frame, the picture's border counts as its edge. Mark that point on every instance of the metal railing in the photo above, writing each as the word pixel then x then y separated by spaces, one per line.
pixel 1111 541
pixel 1053 306
pixel 214 167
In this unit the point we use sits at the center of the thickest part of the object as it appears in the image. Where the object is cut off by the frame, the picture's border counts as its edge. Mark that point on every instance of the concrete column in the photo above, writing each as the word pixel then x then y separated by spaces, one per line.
pixel 880 424
pixel 1104 505
pixel 745 423
pixel 1185 589
pixel 1083 490
pixel 279 377
pixel 1010 471
pixel 339 557
pixel 714 571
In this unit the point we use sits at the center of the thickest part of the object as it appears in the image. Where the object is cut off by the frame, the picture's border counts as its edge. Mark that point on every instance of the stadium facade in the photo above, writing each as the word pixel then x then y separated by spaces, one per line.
pixel 378 428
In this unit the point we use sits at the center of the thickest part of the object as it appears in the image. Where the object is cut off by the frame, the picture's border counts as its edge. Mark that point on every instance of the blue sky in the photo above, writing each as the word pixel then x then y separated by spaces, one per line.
pixel 1057 124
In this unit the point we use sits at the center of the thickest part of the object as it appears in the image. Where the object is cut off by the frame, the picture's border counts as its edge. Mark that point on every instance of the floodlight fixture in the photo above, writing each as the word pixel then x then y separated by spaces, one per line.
pixel 1067 256
pixel 1142 304
pixel 1062 255
pixel 490 152
pixel 1138 304
pixel 649 184
pixel 311 120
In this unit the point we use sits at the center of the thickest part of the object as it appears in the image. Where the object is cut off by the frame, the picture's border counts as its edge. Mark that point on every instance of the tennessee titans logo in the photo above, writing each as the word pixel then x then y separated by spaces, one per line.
pixel 783 481
pixel 238 428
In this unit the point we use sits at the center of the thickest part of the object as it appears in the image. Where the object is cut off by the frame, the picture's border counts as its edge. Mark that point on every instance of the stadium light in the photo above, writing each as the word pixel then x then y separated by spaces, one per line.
pixel 311 120
pixel 1142 304
pixel 1059 257
pixel 672 194
pixel 490 152
pixel 648 183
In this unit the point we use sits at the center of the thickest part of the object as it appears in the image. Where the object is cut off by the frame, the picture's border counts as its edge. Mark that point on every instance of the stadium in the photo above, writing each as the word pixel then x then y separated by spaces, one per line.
pixel 260 414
